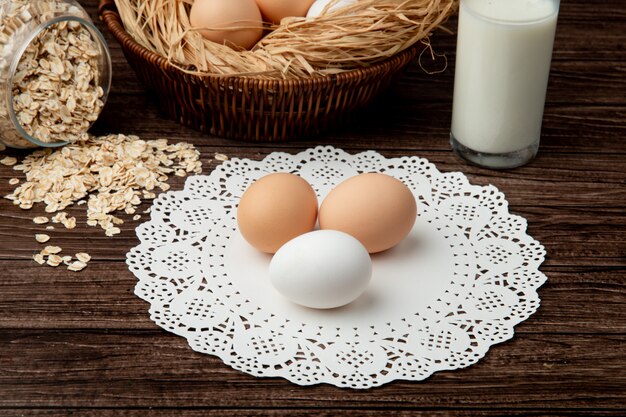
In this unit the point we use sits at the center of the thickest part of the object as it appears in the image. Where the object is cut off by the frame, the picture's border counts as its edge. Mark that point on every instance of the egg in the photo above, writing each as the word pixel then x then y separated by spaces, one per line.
pixel 321 269
pixel 275 209
pixel 275 10
pixel 377 209
pixel 216 16
pixel 318 7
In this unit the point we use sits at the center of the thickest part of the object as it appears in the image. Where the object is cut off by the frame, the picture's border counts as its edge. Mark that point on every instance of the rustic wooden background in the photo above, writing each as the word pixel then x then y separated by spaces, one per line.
pixel 83 344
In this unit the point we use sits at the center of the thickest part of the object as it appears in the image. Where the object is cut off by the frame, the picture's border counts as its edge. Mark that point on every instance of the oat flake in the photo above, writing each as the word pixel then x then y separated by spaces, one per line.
pixel 42 238
pixel 54 260
pixel 51 250
pixel 8 161
pixel 77 266
pixel 38 257
pixel 83 257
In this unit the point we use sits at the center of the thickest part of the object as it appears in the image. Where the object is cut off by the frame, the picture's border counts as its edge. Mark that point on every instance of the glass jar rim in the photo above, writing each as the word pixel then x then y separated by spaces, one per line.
pixel 98 37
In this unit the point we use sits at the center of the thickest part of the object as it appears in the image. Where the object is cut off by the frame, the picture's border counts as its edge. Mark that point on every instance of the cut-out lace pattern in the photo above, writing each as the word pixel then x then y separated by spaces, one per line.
pixel 181 269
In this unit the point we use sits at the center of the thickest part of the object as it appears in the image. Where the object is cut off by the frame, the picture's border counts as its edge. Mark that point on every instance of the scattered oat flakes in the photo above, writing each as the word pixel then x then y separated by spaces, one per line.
pixel 221 157
pixel 42 238
pixel 51 227
pixel 77 266
pixel 40 220
pixel 51 250
pixel 112 171
pixel 81 202
pixel 54 260
pixel 136 217
pixel 83 257
pixel 8 161
pixel 67 259
pixel 14 181
pixel 38 257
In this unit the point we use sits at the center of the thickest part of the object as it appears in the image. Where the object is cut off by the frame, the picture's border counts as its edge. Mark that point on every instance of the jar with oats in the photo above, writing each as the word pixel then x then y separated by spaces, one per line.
pixel 55 72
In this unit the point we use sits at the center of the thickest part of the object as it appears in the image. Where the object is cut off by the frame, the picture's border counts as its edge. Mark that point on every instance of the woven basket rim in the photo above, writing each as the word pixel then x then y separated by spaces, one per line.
pixel 109 14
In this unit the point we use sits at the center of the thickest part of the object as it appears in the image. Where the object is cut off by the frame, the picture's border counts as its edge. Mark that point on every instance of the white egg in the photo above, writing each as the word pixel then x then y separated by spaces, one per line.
pixel 318 7
pixel 321 269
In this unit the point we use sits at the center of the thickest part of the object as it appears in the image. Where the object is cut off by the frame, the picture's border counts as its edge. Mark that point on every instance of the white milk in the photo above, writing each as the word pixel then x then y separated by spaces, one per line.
pixel 503 61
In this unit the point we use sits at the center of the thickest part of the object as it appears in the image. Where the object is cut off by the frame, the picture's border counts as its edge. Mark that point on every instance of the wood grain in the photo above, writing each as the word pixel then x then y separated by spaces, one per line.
pixel 107 368
pixel 209 411
pixel 82 344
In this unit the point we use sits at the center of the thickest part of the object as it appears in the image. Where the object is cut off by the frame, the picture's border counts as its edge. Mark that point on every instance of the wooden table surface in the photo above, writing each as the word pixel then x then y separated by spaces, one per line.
pixel 83 344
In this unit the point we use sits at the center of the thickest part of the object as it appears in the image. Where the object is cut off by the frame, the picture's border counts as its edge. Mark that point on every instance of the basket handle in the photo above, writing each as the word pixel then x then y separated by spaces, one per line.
pixel 107 6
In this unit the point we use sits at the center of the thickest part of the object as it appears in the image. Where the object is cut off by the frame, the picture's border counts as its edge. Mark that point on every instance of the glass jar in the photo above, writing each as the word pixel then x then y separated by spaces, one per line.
pixel 55 72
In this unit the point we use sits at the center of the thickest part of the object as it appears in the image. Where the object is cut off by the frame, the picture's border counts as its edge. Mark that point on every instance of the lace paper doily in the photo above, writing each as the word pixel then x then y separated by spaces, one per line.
pixel 465 276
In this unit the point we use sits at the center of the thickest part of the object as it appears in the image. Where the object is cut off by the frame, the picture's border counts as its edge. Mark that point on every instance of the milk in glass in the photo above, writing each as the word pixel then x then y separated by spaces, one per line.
pixel 503 59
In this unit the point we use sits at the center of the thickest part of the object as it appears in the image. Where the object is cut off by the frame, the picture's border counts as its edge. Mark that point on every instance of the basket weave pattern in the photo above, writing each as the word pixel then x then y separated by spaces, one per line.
pixel 251 108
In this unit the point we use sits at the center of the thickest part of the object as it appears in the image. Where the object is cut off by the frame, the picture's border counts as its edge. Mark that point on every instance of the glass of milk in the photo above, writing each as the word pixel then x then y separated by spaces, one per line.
pixel 503 59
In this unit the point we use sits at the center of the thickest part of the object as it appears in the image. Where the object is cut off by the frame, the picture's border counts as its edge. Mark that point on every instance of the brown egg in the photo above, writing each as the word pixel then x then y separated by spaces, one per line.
pixel 220 14
pixel 276 209
pixel 377 209
pixel 274 10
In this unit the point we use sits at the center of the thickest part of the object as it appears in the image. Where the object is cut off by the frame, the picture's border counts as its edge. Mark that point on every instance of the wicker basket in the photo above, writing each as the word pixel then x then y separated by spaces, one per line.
pixel 255 109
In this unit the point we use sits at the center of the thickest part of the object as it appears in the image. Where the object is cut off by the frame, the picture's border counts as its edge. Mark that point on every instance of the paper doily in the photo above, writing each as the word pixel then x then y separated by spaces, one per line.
pixel 465 276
